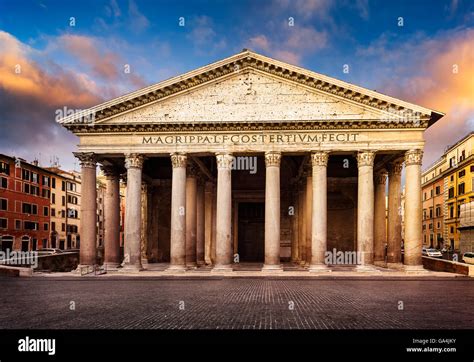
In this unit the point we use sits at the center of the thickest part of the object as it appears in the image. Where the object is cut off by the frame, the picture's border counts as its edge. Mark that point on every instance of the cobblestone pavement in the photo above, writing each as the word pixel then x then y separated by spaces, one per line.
pixel 236 303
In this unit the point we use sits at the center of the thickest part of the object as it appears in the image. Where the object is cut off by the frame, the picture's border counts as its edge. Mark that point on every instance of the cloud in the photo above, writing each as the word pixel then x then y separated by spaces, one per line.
pixel 138 21
pixel 291 44
pixel 203 36
pixel 436 72
pixel 304 8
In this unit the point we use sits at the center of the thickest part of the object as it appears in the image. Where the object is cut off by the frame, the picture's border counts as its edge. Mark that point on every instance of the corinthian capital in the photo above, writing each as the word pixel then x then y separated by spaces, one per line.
pixel 395 168
pixel 413 157
pixel 380 178
pixel 133 160
pixel 272 158
pixel 178 160
pixel 320 159
pixel 86 159
pixel 365 158
pixel 224 160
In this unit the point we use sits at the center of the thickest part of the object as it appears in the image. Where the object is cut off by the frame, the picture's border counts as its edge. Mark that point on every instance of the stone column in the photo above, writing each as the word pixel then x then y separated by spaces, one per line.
pixel 214 219
pixel 224 213
pixel 394 225
pixel 208 197
pixel 319 243
pixel 200 223
pixel 365 210
pixel 272 212
pixel 111 218
pixel 302 226
pixel 133 213
pixel 178 213
pixel 413 213
pixel 295 225
pixel 380 233
pixel 309 217
pixel 88 226
pixel 191 191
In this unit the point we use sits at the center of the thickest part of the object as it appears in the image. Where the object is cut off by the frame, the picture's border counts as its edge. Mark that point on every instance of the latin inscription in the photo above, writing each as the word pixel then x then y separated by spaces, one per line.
pixel 251 139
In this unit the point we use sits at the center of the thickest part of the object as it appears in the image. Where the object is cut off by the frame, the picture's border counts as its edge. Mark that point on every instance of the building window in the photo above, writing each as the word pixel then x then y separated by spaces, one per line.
pixel 431 193
pixel 26 188
pixel 25 174
pixel 3 223
pixel 53 226
pixel 45 181
pixel 17 224
pixel 53 198
pixel 71 186
pixel 30 225
pixel 452 178
pixel 431 212
pixel 4 204
pixel 46 193
pixel 451 229
pixel 4 168
pixel 463 155
pixel 424 195
pixel 439 225
pixel 34 177
pixel 430 226
pixel 53 212
pixel 4 182
pixel 472 168
pixel 63 201
pixel 45 226
pixel 461 189
pixel 53 183
pixel 45 210
pixel 30 209
pixel 438 190
pixel 63 186
pixel 438 211
pixel 424 214
pixel 462 173
pixel 63 227
pixel 451 192
pixel 451 211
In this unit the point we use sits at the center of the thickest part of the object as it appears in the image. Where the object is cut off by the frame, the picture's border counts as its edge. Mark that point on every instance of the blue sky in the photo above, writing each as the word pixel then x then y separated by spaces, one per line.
pixel 81 65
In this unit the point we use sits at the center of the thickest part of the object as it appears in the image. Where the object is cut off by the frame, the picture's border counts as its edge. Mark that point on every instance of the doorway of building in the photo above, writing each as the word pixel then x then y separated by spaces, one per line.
pixel 251 228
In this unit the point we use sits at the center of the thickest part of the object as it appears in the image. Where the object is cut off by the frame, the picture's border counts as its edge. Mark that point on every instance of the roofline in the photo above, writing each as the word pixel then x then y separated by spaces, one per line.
pixel 434 115
pixel 23 161
pixel 458 142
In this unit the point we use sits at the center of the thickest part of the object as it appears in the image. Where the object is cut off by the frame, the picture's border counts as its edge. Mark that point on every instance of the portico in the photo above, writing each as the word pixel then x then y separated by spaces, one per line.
pixel 323 152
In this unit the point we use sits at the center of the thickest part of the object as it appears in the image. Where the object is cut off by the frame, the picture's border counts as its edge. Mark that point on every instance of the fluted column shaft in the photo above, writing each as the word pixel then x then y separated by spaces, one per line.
pixel 309 217
pixel 303 218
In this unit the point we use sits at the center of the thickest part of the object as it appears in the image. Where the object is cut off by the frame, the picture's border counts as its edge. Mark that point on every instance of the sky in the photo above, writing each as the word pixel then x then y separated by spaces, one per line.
pixel 69 54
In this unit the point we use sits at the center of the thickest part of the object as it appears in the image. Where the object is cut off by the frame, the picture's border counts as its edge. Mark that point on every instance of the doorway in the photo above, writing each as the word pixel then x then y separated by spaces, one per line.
pixel 251 228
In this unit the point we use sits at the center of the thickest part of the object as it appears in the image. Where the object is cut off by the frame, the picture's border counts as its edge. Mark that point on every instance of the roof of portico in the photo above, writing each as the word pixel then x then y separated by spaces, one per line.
pixel 81 122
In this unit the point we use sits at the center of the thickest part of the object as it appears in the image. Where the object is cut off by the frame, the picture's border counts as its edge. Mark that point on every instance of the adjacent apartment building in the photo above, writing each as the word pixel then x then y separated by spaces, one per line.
pixel 446 185
pixel 25 192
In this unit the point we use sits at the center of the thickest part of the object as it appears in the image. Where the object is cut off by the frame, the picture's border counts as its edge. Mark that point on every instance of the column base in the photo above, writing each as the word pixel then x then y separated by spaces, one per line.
pixel 272 268
pixel 84 268
pixel 191 266
pixel 366 268
pixel 179 268
pixel 129 268
pixel 415 269
pixel 222 269
pixel 380 263
pixel 397 266
pixel 319 268
pixel 111 266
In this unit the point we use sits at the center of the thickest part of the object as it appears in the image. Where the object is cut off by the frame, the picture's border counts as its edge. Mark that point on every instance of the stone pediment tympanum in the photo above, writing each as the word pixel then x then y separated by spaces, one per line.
pixel 249 88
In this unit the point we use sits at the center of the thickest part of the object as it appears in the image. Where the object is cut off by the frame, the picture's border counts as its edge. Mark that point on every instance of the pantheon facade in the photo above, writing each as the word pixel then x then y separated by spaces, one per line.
pixel 250 159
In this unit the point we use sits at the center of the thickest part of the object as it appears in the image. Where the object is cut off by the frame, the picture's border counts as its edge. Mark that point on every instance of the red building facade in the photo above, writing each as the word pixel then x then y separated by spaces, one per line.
pixel 25 192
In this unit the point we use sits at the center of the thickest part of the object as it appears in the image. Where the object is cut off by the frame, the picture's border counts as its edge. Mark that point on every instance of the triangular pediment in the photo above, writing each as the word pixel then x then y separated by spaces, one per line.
pixel 249 88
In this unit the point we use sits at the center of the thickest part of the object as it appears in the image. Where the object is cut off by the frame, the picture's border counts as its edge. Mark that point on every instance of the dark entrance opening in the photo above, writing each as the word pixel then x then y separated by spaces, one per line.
pixel 251 231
